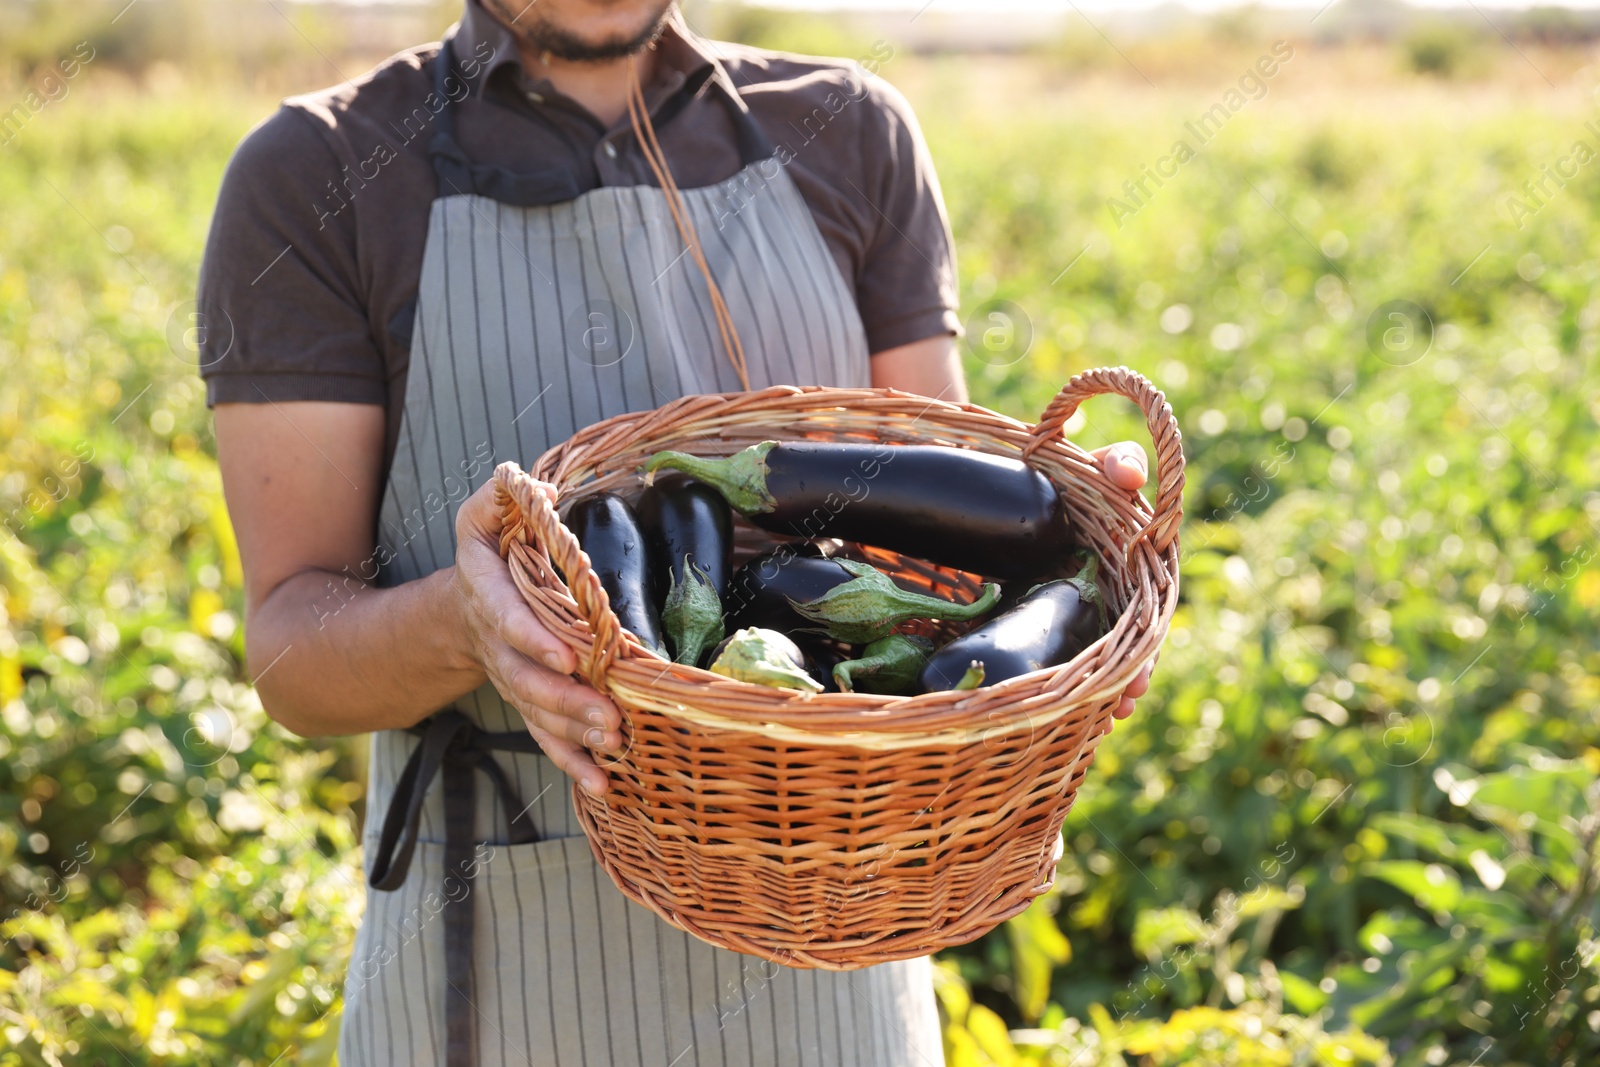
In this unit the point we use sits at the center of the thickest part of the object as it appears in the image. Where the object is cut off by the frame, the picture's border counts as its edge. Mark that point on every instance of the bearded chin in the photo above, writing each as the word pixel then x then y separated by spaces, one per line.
pixel 538 33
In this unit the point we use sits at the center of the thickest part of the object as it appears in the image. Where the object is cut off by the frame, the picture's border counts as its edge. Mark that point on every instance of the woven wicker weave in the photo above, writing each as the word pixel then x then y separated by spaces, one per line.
pixel 839 830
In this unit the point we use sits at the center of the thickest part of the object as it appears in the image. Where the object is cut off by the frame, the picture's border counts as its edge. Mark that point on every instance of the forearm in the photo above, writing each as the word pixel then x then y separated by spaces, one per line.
pixel 332 656
pixel 931 367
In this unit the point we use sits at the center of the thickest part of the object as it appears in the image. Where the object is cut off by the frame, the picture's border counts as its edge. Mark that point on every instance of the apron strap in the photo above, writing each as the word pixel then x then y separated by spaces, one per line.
pixel 458 174
pixel 452 746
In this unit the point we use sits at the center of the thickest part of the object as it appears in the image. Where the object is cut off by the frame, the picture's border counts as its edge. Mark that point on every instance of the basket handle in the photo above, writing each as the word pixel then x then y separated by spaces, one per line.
pixel 515 488
pixel 1163 525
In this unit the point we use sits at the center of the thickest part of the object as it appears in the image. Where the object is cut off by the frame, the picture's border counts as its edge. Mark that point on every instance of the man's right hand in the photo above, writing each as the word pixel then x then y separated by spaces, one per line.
pixel 528 664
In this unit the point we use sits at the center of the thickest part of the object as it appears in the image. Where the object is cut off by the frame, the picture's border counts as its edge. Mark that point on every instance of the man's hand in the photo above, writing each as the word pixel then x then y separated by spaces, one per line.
pixel 527 663
pixel 1126 466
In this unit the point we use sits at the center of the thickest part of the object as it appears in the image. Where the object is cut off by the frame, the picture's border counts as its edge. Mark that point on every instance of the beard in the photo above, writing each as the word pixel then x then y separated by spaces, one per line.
pixel 534 30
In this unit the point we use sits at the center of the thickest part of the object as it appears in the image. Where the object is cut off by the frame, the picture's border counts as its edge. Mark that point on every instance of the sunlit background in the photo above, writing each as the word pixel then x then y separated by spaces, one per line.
pixel 1356 820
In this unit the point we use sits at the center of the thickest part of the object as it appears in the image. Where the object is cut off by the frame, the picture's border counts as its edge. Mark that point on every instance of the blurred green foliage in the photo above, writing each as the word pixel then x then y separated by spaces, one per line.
pixel 178 878
pixel 1443 49
pixel 1375 718
pixel 1353 823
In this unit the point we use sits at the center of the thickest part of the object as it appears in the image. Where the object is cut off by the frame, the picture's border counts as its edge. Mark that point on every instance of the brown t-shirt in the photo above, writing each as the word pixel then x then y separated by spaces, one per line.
pixel 315 250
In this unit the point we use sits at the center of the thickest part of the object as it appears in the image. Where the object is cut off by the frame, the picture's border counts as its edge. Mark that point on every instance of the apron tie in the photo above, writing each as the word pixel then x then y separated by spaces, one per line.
pixel 452 746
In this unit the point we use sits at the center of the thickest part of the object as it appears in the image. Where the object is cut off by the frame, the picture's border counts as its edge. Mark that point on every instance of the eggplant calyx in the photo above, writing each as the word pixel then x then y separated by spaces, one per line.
pixel 869 606
pixel 1086 581
pixel 1088 586
pixel 888 665
pixel 691 614
pixel 972 679
pixel 760 657
pixel 741 478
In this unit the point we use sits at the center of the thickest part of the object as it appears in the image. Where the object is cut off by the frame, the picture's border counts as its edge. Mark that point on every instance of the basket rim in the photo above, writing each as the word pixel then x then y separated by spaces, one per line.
pixel 1110 663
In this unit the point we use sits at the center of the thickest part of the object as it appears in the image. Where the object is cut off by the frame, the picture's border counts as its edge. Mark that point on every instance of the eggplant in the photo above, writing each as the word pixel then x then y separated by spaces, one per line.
pixel 888 665
pixel 1051 624
pixel 608 532
pixel 869 606
pixel 953 506
pixel 847 600
pixel 762 591
pixel 683 517
pixel 764 657
pixel 689 535
pixel 821 657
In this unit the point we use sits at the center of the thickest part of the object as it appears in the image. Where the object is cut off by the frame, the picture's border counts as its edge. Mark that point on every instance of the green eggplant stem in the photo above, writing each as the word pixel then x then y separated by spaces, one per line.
pixel 888 665
pixel 1089 587
pixel 758 656
pixel 741 478
pixel 869 606
pixel 972 679
pixel 1086 580
pixel 691 615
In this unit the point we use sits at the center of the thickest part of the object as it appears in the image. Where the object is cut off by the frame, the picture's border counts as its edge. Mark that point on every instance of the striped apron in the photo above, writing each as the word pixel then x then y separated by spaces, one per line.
pixel 495 938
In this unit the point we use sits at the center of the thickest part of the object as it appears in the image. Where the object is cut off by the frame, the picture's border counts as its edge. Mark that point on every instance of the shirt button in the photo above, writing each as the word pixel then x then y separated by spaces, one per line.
pixel 535 98
pixel 611 150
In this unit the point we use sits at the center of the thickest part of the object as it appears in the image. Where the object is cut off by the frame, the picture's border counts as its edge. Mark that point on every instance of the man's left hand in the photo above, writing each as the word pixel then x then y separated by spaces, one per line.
pixel 1126 466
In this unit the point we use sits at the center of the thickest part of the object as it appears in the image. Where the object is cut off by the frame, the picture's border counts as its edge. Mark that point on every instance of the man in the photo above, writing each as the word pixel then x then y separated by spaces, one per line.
pixel 464 257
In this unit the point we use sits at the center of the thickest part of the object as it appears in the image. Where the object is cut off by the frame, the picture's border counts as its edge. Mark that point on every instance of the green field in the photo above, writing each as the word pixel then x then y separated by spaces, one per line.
pixel 1356 820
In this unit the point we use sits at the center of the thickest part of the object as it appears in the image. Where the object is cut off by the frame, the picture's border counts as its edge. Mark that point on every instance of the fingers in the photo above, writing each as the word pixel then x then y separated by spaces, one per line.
pixel 492 595
pixel 528 664
pixel 1124 463
pixel 501 612
pixel 1136 688
pixel 575 761
pixel 478 516
pixel 560 706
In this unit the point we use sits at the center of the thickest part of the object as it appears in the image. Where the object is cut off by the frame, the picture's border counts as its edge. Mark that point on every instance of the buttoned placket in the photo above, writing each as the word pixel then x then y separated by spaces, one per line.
pixel 611 162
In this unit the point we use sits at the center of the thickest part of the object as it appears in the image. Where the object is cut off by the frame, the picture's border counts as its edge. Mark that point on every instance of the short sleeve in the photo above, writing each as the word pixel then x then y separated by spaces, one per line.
pixel 906 288
pixel 280 305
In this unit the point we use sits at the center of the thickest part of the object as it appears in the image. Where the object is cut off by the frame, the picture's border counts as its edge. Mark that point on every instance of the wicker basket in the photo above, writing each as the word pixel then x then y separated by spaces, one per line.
pixel 840 830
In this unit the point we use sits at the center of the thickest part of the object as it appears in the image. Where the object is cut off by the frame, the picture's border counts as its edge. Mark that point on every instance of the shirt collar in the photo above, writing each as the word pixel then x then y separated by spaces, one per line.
pixel 480 38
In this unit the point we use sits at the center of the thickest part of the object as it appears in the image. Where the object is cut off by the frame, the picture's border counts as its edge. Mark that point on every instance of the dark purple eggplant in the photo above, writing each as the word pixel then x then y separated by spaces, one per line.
pixel 1049 625
pixel 608 532
pixel 953 506
pixel 854 602
pixel 821 657
pixel 682 518
pixel 761 591
pixel 870 606
pixel 689 532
